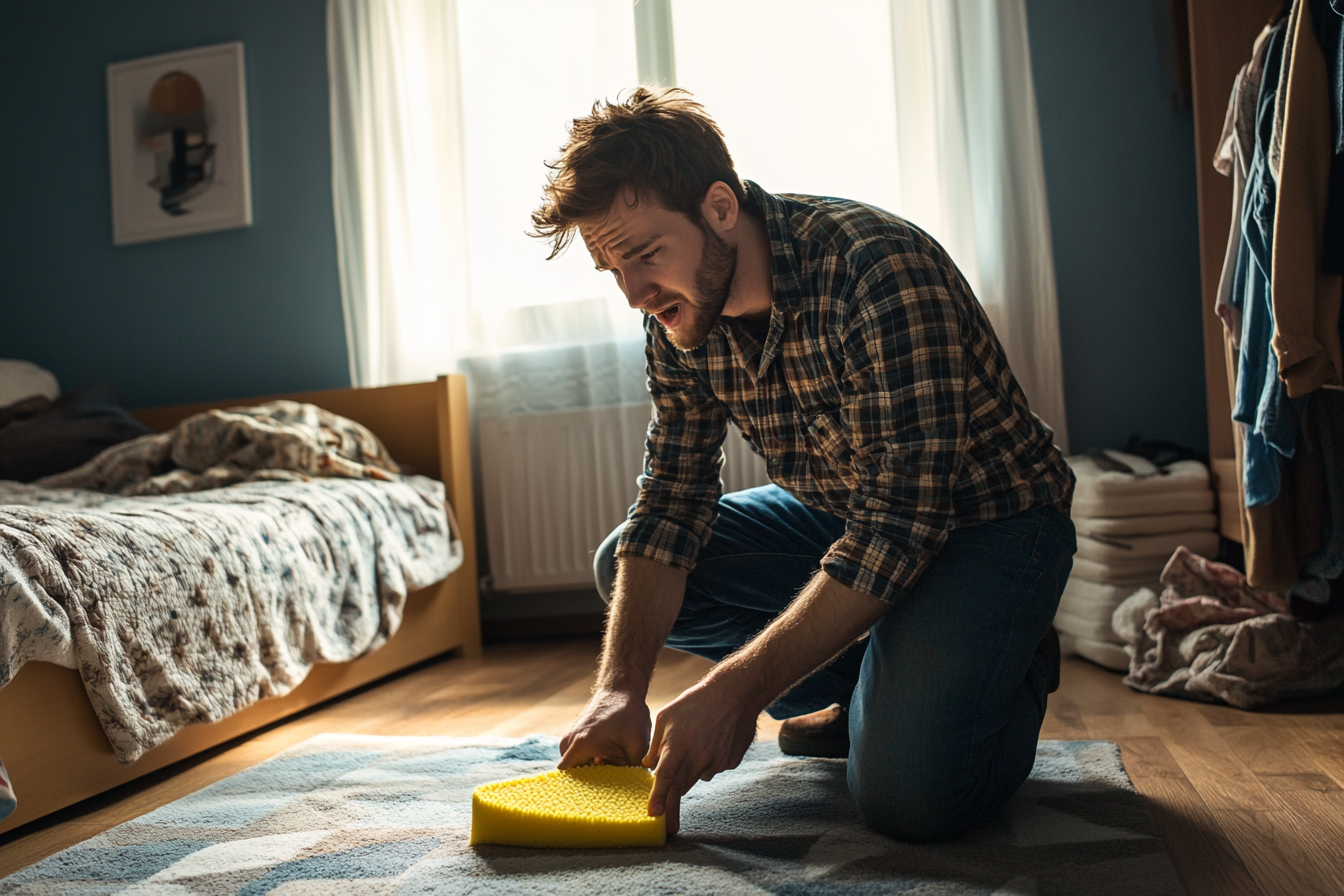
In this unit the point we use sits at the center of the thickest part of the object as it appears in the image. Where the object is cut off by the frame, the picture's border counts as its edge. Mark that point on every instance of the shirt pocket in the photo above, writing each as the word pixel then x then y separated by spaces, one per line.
pixel 834 457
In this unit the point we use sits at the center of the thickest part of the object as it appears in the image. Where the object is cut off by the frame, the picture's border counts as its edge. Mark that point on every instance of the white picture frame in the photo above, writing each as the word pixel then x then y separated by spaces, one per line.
pixel 177 129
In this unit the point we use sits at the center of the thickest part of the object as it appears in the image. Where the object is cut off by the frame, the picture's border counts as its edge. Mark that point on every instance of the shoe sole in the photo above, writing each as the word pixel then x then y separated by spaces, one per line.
pixel 814 749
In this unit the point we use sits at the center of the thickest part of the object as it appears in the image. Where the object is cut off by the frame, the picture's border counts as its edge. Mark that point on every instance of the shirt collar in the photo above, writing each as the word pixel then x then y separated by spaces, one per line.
pixel 784 268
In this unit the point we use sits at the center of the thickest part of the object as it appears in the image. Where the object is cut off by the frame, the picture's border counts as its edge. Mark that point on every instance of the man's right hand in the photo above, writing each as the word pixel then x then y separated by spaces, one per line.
pixel 612 729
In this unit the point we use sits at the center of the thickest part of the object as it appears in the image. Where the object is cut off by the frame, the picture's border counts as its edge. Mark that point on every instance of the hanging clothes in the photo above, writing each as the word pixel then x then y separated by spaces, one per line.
pixel 1329 19
pixel 1262 404
pixel 1305 299
pixel 1278 537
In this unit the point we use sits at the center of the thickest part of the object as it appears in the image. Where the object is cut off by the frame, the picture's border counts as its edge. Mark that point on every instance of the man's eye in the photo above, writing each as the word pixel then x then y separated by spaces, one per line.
pixel 648 256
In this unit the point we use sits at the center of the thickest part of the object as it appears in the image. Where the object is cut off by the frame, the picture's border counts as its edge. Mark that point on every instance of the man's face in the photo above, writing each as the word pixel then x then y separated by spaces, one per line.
pixel 665 265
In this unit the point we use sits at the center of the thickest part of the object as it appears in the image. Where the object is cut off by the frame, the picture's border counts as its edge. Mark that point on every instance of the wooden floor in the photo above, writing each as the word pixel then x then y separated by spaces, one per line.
pixel 1250 803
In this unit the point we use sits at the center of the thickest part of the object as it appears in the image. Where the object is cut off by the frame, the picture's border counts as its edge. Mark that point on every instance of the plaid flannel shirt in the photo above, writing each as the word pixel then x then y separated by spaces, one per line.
pixel 879 395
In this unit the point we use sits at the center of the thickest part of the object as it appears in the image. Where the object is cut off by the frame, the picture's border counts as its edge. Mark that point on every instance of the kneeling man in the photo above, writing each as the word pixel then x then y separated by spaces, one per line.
pixel 891 593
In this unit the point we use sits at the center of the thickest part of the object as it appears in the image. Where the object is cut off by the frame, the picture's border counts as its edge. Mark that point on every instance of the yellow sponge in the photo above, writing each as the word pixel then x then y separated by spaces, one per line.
pixel 590 806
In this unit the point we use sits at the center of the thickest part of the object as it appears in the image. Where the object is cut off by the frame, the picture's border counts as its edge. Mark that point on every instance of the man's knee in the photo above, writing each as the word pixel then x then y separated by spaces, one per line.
pixel 604 564
pixel 909 805
pixel 912 791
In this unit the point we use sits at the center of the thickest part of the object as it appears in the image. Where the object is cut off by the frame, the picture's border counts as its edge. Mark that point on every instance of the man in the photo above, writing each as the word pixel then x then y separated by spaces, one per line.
pixel 894 589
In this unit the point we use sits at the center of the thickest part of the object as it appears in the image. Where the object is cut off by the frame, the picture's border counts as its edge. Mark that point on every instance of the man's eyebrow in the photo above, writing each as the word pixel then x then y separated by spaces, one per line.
pixel 631 253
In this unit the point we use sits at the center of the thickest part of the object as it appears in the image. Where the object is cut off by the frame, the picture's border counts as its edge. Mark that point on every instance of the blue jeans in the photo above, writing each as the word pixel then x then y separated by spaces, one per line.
pixel 948 692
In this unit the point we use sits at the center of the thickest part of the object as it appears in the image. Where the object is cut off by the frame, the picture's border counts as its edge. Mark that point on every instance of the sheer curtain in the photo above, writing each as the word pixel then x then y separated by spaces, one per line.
pixel 442 114
pixel 398 186
pixel 971 173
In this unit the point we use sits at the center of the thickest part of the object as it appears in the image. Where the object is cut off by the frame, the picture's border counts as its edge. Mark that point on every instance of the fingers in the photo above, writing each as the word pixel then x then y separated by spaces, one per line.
pixel 655 749
pixel 673 821
pixel 670 783
pixel 575 753
pixel 664 782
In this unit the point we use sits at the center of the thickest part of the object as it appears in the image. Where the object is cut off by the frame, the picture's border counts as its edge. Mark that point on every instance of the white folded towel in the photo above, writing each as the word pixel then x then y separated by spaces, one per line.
pixel 1153 524
pixel 1143 505
pixel 1144 572
pixel 1181 487
pixel 1113 549
pixel 1096 629
pixel 1103 653
pixel 1096 610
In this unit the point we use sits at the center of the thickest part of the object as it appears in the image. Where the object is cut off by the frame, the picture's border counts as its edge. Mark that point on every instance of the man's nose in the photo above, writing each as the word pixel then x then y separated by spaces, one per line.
pixel 639 291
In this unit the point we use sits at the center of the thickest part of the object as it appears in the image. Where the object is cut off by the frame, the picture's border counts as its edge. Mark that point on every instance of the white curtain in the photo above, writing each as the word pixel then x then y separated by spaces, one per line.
pixel 971 172
pixel 398 185
pixel 423 94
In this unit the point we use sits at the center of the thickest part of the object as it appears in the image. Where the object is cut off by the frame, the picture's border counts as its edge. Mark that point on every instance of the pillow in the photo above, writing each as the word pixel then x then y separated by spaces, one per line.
pixel 23 379
pixel 67 433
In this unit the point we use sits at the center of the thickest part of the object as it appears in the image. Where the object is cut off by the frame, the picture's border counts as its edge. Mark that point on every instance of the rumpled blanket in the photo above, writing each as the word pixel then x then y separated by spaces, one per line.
pixel 179 609
pixel 277 440
pixel 183 609
pixel 1212 637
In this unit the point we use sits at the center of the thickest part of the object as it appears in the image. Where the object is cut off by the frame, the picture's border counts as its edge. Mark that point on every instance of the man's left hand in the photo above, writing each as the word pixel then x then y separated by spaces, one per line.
pixel 701 733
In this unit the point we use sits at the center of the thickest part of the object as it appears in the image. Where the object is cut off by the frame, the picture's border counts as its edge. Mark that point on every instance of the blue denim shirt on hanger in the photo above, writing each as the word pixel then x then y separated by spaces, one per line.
pixel 1262 401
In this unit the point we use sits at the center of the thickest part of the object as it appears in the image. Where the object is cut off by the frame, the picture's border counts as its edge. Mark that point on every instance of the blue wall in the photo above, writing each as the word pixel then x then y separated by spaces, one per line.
pixel 218 315
pixel 1120 171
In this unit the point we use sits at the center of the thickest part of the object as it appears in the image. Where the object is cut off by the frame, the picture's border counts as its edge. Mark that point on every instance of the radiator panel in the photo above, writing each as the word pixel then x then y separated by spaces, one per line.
pixel 554 485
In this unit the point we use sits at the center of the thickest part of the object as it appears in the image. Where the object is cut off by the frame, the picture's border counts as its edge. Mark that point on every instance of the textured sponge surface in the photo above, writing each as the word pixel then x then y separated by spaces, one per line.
pixel 591 806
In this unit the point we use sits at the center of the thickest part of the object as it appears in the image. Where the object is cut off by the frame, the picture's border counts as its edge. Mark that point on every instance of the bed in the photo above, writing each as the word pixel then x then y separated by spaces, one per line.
pixel 50 738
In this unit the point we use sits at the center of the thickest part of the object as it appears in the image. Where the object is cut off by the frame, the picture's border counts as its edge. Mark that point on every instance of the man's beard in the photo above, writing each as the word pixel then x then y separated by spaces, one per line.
pixel 713 282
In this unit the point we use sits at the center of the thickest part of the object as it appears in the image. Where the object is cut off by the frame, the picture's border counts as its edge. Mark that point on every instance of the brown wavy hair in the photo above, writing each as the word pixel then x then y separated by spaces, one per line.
pixel 659 143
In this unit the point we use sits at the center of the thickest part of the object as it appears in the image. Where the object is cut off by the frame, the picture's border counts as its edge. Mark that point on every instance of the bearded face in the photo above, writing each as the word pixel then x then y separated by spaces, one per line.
pixel 713 280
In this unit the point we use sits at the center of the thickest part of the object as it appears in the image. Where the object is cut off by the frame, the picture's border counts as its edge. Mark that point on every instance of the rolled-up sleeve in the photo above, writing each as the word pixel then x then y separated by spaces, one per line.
pixel 680 487
pixel 905 409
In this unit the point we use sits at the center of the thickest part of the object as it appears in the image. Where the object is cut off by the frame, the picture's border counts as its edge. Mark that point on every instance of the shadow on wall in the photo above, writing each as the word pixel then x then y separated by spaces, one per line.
pixel 1119 166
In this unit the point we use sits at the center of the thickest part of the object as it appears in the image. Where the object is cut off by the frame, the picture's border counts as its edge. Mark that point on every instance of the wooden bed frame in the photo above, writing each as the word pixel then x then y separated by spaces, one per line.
pixel 50 739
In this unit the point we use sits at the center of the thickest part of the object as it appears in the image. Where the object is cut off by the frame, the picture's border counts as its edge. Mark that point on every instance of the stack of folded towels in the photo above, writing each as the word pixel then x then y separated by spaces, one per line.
pixel 1130 515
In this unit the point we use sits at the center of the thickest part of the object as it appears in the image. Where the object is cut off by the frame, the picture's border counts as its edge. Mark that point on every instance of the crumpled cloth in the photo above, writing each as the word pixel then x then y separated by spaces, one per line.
pixel 1214 638
pixel 284 440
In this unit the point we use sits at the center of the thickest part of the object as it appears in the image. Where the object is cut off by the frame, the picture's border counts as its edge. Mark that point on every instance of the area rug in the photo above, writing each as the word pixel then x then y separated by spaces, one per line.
pixel 391 815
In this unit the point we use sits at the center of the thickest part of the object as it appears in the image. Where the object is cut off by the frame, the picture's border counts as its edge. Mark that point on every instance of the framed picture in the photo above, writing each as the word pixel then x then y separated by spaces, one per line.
pixel 178 130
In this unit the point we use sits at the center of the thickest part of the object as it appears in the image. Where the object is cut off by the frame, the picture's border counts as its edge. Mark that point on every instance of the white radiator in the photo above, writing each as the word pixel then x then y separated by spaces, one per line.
pixel 554 485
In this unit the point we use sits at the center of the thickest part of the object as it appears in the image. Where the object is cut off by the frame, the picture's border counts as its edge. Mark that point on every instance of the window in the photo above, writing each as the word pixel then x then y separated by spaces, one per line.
pixel 802 89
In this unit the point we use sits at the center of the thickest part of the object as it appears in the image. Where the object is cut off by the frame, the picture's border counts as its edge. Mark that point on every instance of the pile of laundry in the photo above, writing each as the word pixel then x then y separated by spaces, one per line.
pixel 1131 515
pixel 1213 637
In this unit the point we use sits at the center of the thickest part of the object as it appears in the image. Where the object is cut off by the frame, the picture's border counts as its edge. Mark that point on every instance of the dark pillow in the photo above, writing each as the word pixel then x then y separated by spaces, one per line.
pixel 38 441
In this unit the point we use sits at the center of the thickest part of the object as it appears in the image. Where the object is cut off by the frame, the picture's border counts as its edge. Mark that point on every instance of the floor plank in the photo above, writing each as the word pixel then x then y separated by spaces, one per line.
pixel 1221 778
pixel 1284 859
pixel 1204 857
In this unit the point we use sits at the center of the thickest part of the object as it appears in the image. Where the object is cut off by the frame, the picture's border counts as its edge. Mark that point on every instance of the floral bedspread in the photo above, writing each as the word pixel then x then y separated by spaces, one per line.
pixel 179 609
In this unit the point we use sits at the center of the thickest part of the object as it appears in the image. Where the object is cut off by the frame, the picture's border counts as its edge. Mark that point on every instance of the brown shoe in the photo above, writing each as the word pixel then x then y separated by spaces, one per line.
pixel 823 734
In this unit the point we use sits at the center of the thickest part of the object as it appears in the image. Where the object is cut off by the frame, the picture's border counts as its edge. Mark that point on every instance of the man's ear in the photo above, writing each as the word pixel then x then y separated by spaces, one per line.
pixel 720 208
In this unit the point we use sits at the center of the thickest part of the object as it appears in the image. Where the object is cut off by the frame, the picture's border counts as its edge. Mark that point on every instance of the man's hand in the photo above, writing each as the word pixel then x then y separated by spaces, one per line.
pixel 612 729
pixel 709 727
pixel 701 733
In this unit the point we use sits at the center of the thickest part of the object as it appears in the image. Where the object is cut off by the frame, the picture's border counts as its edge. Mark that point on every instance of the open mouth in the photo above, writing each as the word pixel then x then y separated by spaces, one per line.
pixel 669 316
